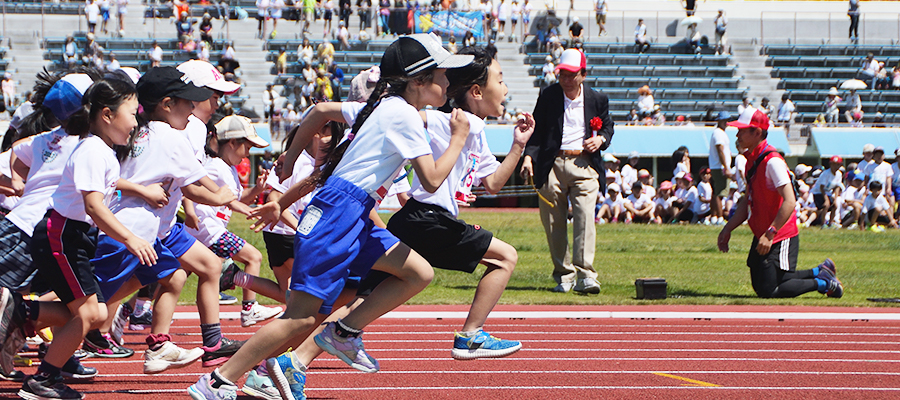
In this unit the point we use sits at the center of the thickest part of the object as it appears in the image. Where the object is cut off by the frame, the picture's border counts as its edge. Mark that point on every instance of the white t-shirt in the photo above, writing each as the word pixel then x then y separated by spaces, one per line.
pixel 871 203
pixel 705 192
pixel 785 109
pixel 160 154
pixel 92 167
pixel 629 177
pixel 7 202
pixel 155 53
pixel 850 194
pixel 303 168
pixel 214 220
pixel 640 201
pixel 863 164
pixel 777 174
pixel 665 203
pixel 692 195
pixel 93 13
pixel 46 156
pixel 573 123
pixel 680 167
pixel 828 179
pixel 196 135
pixel 475 162
pixel 879 172
pixel 740 167
pixel 613 203
pixel 392 134
pixel 719 138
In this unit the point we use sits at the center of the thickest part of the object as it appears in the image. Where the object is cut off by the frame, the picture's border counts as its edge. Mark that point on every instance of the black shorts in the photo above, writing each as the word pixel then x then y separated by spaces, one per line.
pixel 62 249
pixel 686 215
pixel 780 257
pixel 443 240
pixel 881 219
pixel 280 248
pixel 819 199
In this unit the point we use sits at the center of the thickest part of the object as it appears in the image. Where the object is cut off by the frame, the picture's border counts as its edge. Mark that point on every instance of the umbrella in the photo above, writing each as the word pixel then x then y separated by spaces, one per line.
pixel 691 20
pixel 544 21
pixel 853 84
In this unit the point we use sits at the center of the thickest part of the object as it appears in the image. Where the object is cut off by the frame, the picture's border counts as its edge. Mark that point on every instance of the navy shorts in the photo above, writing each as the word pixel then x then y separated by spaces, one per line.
pixel 336 238
pixel 114 265
pixel 16 268
pixel 178 240
pixel 62 248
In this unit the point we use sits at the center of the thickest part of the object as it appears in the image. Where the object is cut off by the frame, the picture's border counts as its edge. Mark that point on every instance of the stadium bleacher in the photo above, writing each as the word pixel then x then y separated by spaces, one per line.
pixel 39 7
pixel 807 72
pixel 683 84
pixel 360 57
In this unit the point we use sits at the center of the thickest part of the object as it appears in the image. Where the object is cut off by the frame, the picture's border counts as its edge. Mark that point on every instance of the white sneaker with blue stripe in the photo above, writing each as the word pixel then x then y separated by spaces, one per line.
pixel 482 345
pixel 288 375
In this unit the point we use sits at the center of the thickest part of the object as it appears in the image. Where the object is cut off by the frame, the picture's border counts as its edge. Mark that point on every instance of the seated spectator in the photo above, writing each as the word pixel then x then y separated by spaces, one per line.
pixel 664 210
pixel 857 121
pixel 646 181
pixel 657 117
pixel 576 34
pixel 641 41
pixel 611 163
pixel 206 28
pixel 187 44
pixel 633 118
pixel 549 71
pixel 185 25
pixel 852 106
pixel 877 209
pixel 679 120
pixel 556 47
pixel 70 52
pixel 612 209
pixel 281 62
pixel 730 204
pixel 690 199
pixel 688 123
pixel 831 106
pixel 786 110
pixel 638 206
pixel 878 121
pixel 693 37
pixel 343 35
pixel 325 52
pixel 869 70
pixel 309 73
pixel 895 78
pixel 155 54
pixel 645 101
pixel 704 196
pixel 823 188
pixel 819 121
pixel 113 63
pixel 851 208
pixel 882 78
pixel 745 102
pixel 305 53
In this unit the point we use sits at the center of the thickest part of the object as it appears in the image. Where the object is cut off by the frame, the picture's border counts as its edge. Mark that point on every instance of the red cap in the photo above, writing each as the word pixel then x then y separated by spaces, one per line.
pixel 572 60
pixel 751 118
pixel 837 159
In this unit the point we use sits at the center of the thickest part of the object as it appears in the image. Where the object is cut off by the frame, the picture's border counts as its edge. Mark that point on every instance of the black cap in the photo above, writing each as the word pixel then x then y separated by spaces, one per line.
pixel 412 54
pixel 161 82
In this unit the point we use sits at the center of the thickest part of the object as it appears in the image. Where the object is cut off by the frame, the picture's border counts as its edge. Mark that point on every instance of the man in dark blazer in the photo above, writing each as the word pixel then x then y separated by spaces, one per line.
pixel 563 156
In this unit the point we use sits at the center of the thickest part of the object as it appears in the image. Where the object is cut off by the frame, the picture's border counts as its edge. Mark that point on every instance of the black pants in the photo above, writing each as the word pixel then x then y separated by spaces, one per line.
pixel 641 47
pixel 770 280
pixel 854 26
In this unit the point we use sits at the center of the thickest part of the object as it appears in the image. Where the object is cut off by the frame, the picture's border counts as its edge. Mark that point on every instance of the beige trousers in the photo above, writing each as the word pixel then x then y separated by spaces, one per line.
pixel 572 180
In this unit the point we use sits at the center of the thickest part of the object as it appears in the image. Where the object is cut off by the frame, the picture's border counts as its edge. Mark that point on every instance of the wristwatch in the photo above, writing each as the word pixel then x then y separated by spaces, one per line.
pixel 772 230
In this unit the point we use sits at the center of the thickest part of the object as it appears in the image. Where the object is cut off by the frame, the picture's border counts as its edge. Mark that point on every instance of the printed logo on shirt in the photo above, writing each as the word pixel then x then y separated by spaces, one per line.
pixel 468 177
pixel 311 217
pixel 140 143
pixel 48 156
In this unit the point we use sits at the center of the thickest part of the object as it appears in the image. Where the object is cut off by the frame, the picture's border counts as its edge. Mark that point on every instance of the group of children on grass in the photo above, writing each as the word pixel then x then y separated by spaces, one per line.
pixel 102 165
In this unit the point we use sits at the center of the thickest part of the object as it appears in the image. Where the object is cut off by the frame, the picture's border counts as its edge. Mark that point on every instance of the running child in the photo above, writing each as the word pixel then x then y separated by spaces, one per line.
pixel 335 236
pixel 65 239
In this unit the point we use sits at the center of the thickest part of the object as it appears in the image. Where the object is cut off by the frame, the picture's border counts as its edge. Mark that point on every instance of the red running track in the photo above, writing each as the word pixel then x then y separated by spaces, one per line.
pixel 595 358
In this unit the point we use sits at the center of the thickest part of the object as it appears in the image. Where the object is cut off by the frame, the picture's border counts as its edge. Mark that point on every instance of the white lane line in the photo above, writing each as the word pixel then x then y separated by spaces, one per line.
pixel 536 372
pixel 817 388
pixel 513 359
pixel 562 314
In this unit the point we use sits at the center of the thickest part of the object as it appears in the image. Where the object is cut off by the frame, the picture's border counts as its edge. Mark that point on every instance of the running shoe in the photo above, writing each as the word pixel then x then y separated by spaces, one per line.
pixel 260 386
pixel 221 352
pixel 226 299
pixel 587 285
pixel 259 313
pixel 11 333
pixel 226 280
pixel 123 314
pixel 169 356
pixel 140 322
pixel 482 345
pixel 105 349
pixel 288 375
pixel 51 388
pixel 203 390
pixel 827 270
pixel 349 349
pixel 73 369
pixel 835 288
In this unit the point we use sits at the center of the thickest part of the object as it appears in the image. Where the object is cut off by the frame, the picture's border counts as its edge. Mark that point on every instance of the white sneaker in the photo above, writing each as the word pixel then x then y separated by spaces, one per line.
pixel 563 287
pixel 259 313
pixel 169 356
pixel 587 285
pixel 119 323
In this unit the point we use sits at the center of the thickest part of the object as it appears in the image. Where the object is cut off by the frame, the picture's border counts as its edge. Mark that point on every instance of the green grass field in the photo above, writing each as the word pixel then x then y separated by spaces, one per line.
pixel 686 256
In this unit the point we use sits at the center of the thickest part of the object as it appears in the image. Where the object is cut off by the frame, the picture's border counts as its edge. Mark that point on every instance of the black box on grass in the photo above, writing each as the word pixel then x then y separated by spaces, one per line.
pixel 650 288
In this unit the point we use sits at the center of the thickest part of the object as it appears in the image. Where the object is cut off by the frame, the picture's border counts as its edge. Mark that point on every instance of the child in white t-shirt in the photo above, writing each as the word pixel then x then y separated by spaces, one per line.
pixel 704 196
pixel 689 199
pixel 663 203
pixel 335 236
pixel 613 208
pixel 877 209
pixel 852 203
pixel 64 239
pixel 234 138
pixel 639 206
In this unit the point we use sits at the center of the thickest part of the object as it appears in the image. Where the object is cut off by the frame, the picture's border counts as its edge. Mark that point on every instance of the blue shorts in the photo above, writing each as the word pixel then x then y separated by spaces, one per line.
pixel 178 240
pixel 335 238
pixel 114 265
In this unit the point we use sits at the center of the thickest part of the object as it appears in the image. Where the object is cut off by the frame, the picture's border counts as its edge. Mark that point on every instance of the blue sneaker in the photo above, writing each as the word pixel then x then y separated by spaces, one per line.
pixel 482 345
pixel 288 375
pixel 827 270
pixel 259 385
pixel 203 390
pixel 226 299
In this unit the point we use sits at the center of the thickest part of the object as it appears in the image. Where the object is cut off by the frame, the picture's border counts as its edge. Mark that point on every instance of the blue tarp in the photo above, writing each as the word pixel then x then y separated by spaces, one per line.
pixel 849 142
pixel 649 141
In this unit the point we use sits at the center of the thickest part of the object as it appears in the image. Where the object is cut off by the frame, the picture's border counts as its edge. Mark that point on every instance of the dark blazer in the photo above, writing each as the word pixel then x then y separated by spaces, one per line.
pixel 549 112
